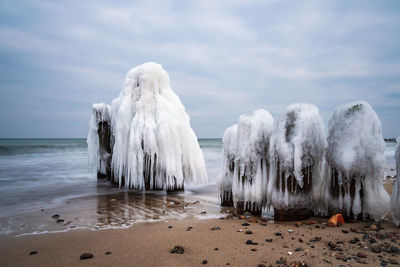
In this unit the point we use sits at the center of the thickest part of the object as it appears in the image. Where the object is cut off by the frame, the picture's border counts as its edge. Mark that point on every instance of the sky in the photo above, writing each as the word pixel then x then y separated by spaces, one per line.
pixel 224 58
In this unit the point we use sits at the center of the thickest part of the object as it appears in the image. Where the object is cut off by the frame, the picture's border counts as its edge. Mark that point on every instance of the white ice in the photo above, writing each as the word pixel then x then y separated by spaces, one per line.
pixel 225 179
pixel 97 157
pixel 152 134
pixel 395 198
pixel 356 151
pixel 297 143
pixel 252 158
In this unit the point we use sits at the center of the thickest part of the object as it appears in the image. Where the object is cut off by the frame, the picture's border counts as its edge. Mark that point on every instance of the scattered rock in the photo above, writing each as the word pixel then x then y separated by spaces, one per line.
pixel 299 249
pixel 170 226
pixel 392 261
pixel 189 228
pixel 278 234
pixel 215 228
pixel 354 230
pixel 60 221
pixel 301 240
pixel 393 250
pixel 55 217
pixel 355 240
pixel 33 252
pixel 298 264
pixel 361 255
pixel 108 253
pixel 261 265
pixel 375 247
pixel 203 212
pixel 268 240
pixel 250 242
pixel 253 249
pixel 345 231
pixel 290 231
pixel 245 224
pixel 86 255
pixel 316 239
pixel 281 260
pixel 177 250
pixel 248 232
pixel 215 248
pixel 204 262
pixel 240 230
pixel 373 227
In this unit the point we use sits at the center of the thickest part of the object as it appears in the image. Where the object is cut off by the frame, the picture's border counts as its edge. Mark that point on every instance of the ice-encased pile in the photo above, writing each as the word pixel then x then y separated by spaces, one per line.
pixel 297 152
pixel 252 160
pixel 355 158
pixel 395 198
pixel 225 179
pixel 154 144
pixel 100 139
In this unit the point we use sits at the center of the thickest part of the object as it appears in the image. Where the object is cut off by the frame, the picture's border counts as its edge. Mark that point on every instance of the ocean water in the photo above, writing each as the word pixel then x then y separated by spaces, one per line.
pixel 40 178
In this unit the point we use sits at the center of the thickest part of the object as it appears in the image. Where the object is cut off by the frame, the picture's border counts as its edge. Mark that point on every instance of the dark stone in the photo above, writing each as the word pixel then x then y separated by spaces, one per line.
pixel 268 240
pixel 345 231
pixel 170 226
pixel 177 250
pixel 215 228
pixel 33 252
pixel 86 255
pixel 375 247
pixel 281 260
pixel 361 255
pixel 372 240
pixel 316 239
pixel 355 240
pixel 248 232
pixel 278 234
pixel 299 249
pixel 55 217
pixel 204 262
pixel 108 253
pixel 393 250
pixel 245 224
pixel 253 249
pixel 249 242
pixel 60 221
pixel 215 248
pixel 262 265
pixel 189 228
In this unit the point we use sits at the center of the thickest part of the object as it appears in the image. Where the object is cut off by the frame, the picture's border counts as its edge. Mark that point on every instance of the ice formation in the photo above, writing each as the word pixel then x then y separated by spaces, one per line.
pixel 395 198
pixel 298 146
pixel 154 144
pixel 251 169
pixel 225 179
pixel 355 159
pixel 99 139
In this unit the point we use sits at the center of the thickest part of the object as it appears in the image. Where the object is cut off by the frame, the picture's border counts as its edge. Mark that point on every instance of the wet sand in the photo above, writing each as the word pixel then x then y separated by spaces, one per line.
pixel 149 244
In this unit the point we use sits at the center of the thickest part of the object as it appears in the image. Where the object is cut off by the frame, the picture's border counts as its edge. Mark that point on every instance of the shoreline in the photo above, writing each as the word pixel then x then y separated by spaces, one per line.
pixel 149 244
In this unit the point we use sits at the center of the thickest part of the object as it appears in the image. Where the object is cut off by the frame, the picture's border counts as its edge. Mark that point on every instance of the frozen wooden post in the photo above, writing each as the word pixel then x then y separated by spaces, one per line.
pixel 298 146
pixel 355 163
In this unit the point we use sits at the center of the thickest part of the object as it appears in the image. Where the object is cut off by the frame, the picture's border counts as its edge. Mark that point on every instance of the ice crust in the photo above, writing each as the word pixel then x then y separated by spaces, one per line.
pixel 98 157
pixel 153 140
pixel 395 198
pixel 225 179
pixel 298 145
pixel 251 169
pixel 355 155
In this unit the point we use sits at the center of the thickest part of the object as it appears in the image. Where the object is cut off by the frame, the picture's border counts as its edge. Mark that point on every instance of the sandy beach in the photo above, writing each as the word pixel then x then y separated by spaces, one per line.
pixel 149 244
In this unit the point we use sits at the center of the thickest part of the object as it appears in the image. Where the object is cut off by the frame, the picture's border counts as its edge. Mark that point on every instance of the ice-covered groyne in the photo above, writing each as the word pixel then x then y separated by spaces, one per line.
pixel 297 154
pixel 225 179
pixel 355 162
pixel 395 198
pixel 252 162
pixel 100 140
pixel 153 144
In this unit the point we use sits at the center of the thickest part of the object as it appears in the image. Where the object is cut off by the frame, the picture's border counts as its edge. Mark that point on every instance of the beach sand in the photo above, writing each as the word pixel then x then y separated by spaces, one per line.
pixel 149 244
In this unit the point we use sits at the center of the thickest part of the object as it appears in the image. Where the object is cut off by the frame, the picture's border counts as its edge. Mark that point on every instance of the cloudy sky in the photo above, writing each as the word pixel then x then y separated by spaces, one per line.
pixel 224 58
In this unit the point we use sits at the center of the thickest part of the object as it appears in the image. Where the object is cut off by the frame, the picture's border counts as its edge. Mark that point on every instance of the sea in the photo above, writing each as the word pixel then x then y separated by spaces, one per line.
pixel 46 186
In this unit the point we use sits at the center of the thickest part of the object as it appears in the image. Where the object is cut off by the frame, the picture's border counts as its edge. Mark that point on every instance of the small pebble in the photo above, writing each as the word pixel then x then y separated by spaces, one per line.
pixel 85 256
pixel 33 252
pixel 204 262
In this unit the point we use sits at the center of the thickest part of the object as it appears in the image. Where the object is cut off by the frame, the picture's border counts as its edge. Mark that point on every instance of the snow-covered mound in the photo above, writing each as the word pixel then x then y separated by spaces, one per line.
pixel 297 151
pixel 154 144
pixel 356 162
pixel 99 139
pixel 225 179
pixel 395 198
pixel 252 159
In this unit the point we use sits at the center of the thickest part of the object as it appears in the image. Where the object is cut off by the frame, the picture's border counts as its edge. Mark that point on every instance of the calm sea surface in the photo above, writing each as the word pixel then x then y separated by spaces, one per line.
pixel 43 177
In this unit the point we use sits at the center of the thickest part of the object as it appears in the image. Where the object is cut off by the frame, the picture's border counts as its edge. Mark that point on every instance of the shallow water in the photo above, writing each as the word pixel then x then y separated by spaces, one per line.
pixel 40 178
